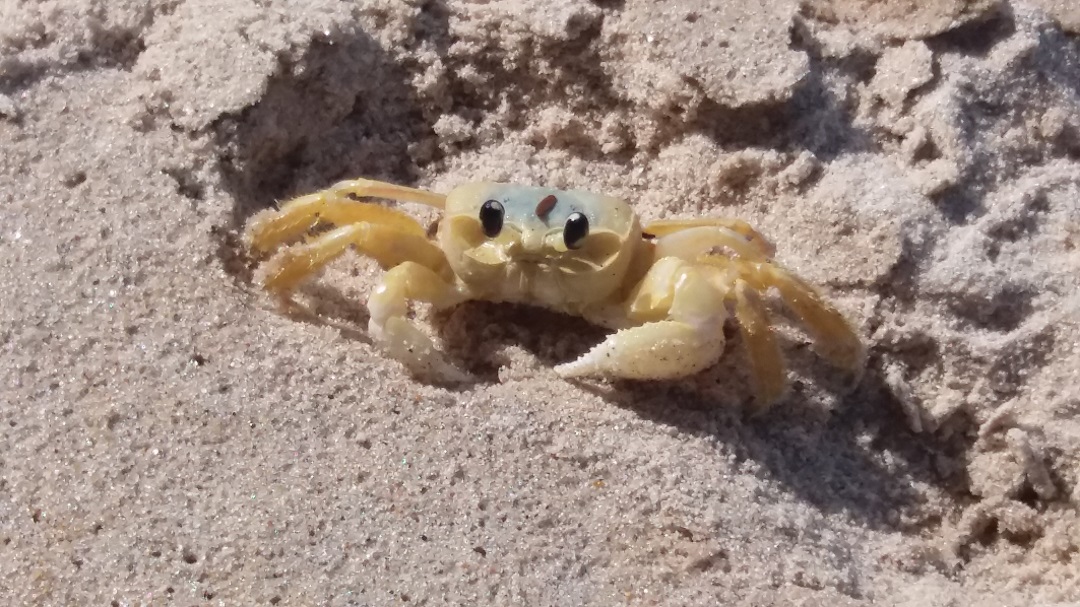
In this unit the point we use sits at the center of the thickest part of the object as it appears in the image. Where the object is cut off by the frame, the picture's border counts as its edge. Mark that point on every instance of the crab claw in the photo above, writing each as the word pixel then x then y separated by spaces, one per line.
pixel 403 341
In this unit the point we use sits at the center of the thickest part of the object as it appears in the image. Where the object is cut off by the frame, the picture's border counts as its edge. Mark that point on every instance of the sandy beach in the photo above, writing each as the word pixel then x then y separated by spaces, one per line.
pixel 171 435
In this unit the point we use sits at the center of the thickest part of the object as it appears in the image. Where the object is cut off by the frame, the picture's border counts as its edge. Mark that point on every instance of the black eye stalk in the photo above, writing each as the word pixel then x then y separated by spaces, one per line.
pixel 491 218
pixel 577 228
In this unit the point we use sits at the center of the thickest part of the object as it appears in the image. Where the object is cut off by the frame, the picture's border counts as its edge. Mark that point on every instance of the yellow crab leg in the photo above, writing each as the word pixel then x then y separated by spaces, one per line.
pixel 389 304
pixel 270 228
pixel 833 336
pixel 388 245
pixel 665 227
pixel 767 371
pixel 690 243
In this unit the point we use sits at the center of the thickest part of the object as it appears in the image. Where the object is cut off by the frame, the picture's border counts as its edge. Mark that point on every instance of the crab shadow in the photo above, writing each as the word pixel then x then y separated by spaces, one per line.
pixel 855 456
pixel 322 305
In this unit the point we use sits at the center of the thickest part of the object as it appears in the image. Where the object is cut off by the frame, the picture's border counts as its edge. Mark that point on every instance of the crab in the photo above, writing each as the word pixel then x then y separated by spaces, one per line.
pixel 666 288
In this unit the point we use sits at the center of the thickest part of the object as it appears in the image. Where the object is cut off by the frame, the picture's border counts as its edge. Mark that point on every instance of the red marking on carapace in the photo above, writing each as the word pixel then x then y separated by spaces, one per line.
pixel 545 206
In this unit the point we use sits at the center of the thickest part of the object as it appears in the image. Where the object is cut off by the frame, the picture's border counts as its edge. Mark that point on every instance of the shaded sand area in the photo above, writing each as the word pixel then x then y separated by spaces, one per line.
pixel 168 435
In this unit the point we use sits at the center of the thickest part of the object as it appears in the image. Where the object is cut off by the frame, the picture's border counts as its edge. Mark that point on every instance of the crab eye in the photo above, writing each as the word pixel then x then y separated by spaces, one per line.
pixel 491 218
pixel 577 228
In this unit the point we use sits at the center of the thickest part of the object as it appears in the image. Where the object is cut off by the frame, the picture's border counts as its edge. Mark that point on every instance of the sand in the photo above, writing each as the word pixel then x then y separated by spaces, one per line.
pixel 170 435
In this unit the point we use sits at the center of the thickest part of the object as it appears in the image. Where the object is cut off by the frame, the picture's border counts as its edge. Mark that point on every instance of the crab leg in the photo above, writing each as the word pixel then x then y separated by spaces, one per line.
pixel 728 229
pixel 688 338
pixel 833 336
pixel 389 304
pixel 690 243
pixel 767 370
pixel 271 227
pixel 387 244
pixel 418 269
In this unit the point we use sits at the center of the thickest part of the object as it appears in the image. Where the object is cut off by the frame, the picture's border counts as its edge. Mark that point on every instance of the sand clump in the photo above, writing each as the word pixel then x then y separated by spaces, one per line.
pixel 170 434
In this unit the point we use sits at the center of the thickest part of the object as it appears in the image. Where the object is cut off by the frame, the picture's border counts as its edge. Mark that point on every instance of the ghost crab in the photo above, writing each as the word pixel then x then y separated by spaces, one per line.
pixel 667 288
